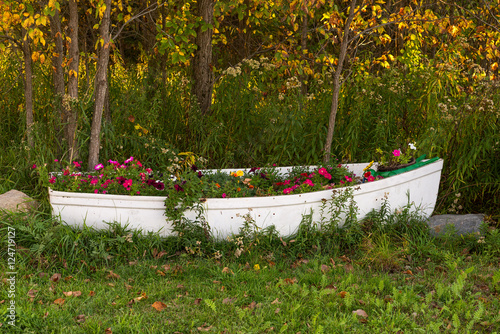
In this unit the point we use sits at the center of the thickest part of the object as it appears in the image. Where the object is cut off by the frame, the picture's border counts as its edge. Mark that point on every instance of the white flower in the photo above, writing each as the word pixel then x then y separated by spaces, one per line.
pixel 412 146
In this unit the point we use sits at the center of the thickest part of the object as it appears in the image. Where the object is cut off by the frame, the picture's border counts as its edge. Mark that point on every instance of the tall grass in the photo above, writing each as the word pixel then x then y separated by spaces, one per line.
pixel 260 115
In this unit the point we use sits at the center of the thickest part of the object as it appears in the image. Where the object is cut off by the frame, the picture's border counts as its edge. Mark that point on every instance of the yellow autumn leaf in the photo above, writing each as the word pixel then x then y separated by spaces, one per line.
pixel 494 66
pixel 35 56
pixel 256 267
pixel 42 58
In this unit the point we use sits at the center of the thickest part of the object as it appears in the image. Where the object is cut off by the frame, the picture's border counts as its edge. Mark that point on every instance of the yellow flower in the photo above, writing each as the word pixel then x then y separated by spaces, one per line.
pixel 256 267
pixel 238 173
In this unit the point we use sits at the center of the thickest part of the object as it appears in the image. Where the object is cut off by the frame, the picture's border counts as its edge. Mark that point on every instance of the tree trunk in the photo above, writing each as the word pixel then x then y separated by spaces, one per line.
pixel 100 88
pixel 58 77
pixel 74 63
pixel 337 84
pixel 202 72
pixel 28 88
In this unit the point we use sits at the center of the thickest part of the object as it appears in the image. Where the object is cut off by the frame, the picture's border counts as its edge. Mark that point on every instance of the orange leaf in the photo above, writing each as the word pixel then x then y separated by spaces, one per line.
pixel 342 294
pixel 91 293
pixel 68 293
pixel 59 301
pixel 159 306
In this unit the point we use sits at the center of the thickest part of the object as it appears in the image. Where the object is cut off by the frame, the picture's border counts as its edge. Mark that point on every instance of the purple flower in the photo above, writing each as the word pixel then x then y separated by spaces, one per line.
pixel 178 187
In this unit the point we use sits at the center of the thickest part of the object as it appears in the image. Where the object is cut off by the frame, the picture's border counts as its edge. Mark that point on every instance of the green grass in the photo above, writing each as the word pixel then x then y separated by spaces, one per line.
pixel 387 266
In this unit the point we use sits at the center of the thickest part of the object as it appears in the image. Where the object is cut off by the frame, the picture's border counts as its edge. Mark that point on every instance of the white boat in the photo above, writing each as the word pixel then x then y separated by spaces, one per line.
pixel 226 216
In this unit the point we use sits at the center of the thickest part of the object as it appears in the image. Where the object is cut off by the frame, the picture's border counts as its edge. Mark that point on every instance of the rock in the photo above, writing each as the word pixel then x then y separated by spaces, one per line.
pixel 464 224
pixel 16 201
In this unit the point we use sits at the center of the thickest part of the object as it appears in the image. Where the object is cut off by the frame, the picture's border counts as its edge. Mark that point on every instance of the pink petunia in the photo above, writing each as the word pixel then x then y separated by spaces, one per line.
pixel 309 182
pixel 224 195
pixel 99 166
pixel 34 166
pixel 77 164
pixel 129 160
pixel 396 153
pixel 52 180
pixel 287 191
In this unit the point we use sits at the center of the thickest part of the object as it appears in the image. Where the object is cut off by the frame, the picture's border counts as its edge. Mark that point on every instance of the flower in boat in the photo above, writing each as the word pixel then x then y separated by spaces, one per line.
pixel 238 173
pixel 368 167
pixel 178 187
pixel 412 146
pixel 396 153
pixel 309 182
pixel 324 172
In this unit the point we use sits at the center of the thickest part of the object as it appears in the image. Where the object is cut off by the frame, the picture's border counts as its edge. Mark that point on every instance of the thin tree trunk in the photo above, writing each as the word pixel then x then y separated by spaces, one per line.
pixel 100 88
pixel 202 71
pixel 58 77
pixel 337 84
pixel 28 88
pixel 74 63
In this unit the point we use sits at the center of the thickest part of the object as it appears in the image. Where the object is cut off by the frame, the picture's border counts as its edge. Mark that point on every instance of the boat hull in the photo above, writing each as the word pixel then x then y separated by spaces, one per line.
pixel 226 216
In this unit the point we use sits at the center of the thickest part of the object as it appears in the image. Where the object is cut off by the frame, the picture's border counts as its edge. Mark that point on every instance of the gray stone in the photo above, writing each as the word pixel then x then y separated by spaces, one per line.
pixel 463 224
pixel 16 201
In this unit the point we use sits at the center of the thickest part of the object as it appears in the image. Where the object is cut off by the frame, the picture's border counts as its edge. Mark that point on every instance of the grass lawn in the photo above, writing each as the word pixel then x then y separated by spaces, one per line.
pixel 369 278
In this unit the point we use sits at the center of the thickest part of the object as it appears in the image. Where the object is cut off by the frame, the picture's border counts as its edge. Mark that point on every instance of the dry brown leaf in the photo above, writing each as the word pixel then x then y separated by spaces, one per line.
pixel 77 293
pixel 68 278
pixel 55 277
pixel 32 293
pixel 68 293
pixel 342 294
pixel 161 273
pixel 80 318
pixel 226 270
pixel 159 306
pixel 277 310
pixel 59 301
pixel 348 267
pixel 361 313
pixel 204 329
pixel 228 300
pixel 142 296
pixel 132 263
pixel 112 275
pixel 111 284
pixel 197 301
pixel 180 286
pixel 166 267
pixel 325 268
pixel 276 301
pixel 91 293
pixel 128 287
pixel 290 280
pixel 108 331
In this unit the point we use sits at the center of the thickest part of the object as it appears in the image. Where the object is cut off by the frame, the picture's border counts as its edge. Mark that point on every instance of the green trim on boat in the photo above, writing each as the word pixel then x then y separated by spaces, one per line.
pixel 418 163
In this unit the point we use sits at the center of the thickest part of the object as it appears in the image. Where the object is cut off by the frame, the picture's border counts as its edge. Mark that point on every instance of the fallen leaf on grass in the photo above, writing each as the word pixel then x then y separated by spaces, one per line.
pixel 112 275
pixel 342 294
pixel 80 318
pixel 159 306
pixel 55 277
pixel 226 270
pixel 32 293
pixel 91 293
pixel 325 268
pixel 204 329
pixel 361 313
pixel 59 301
pixel 277 310
pixel 161 273
pixel 348 267
pixel 290 280
pixel 197 301
pixel 141 297
pixel 68 293
pixel 108 331
pixel 276 301
pixel 228 300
